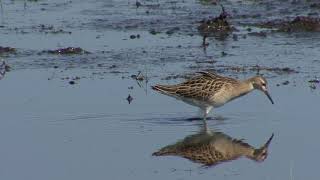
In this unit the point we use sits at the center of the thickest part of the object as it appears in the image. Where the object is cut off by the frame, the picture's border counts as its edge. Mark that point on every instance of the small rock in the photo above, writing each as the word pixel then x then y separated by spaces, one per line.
pixel 285 83
pixel 67 51
pixel 261 34
pixel 132 36
pixel 7 49
pixel 138 4
pixel 129 98
pixel 315 5
pixel 235 37
pixel 314 81
pixel 313 86
pixel 153 32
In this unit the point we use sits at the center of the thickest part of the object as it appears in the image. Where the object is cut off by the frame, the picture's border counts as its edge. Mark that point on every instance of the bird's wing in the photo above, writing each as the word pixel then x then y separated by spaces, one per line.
pixel 199 87
pixel 217 77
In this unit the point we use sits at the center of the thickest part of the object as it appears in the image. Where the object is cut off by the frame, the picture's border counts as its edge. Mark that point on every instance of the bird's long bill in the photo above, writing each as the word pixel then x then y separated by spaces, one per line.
pixel 266 92
pixel 269 141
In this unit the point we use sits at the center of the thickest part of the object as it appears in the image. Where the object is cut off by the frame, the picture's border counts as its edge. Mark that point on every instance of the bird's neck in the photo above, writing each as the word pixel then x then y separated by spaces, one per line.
pixel 243 88
pixel 244 150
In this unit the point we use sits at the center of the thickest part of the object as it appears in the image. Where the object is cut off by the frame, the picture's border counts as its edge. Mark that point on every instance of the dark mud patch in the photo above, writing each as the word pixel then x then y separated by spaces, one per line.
pixel 314 84
pixel 298 24
pixel 139 77
pixel 129 99
pixel 256 68
pixel 284 83
pixel 314 81
pixel 258 34
pixel 315 5
pixel 227 69
pixel 67 51
pixel 7 50
pixel 50 29
pixel 177 76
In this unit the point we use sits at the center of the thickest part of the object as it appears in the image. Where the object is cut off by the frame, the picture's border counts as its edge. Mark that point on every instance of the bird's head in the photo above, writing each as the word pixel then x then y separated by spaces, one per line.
pixel 260 83
pixel 262 153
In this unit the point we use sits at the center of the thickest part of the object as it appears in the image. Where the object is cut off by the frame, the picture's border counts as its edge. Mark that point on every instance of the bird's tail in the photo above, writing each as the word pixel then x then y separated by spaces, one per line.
pixel 163 89
pixel 164 152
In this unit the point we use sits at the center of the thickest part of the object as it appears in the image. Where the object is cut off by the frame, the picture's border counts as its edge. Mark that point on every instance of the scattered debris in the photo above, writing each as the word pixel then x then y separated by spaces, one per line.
pixel 67 51
pixel 7 50
pixel 154 32
pixel 216 25
pixel 50 29
pixel 138 77
pixel 129 98
pixel 138 4
pixel 277 70
pixel 178 76
pixel 235 37
pixel 134 36
pixel 285 83
pixel 172 30
pixel 313 86
pixel 258 34
pixel 256 68
pixel 298 24
pixel 112 66
pixel 315 5
pixel 314 81
pixel 206 62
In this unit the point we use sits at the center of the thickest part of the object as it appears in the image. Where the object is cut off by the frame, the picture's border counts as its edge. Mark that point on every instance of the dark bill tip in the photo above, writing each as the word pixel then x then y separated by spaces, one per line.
pixel 269 141
pixel 266 92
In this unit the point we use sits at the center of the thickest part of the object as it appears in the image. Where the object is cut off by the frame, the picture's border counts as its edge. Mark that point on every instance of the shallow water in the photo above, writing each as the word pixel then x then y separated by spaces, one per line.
pixel 51 129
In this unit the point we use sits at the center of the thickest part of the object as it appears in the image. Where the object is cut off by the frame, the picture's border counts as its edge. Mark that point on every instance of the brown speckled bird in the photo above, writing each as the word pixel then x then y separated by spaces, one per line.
pixel 209 90
pixel 210 148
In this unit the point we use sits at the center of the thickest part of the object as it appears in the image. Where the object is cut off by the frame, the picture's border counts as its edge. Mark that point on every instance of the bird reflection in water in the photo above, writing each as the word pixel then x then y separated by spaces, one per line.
pixel 210 148
pixel 4 67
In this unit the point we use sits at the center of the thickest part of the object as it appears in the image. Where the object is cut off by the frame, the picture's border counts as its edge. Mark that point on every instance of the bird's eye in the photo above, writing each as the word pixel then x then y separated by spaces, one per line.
pixel 263 84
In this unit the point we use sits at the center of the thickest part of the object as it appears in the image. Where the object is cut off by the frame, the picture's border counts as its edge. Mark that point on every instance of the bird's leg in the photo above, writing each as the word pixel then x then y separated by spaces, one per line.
pixel 205 114
pixel 205 127
pixel 206 111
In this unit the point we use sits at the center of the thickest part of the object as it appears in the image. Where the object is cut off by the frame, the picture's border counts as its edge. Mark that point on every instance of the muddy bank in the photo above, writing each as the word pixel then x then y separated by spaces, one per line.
pixel 67 51
pixel 6 50
pixel 298 24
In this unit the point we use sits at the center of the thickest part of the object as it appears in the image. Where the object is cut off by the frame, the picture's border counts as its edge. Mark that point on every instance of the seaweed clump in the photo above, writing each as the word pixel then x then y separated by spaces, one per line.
pixel 216 25
pixel 7 50
pixel 298 24
pixel 68 51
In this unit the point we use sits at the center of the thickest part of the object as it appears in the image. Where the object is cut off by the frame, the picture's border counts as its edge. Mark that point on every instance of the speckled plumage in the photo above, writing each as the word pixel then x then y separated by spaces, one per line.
pixel 211 148
pixel 209 90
